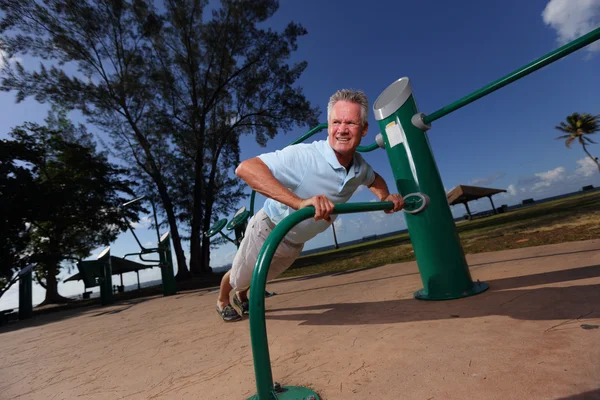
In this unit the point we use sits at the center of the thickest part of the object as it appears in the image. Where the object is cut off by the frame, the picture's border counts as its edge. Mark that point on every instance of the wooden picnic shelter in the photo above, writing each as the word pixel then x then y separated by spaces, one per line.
pixel 462 194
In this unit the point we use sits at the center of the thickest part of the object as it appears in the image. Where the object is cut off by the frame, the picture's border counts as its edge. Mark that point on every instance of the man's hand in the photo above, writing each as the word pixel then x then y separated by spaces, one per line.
pixel 398 203
pixel 323 206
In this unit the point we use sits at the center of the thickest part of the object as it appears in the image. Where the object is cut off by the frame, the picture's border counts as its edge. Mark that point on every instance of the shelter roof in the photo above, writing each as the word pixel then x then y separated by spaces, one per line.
pixel 119 266
pixel 463 193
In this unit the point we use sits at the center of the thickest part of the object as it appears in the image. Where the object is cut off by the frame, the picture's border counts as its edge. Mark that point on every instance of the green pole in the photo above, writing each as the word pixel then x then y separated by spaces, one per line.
pixel 106 290
pixel 440 257
pixel 521 72
pixel 258 327
pixel 25 293
pixel 166 265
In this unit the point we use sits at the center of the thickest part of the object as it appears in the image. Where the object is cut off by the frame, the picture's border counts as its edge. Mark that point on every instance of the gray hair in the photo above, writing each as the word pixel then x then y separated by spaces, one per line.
pixel 353 96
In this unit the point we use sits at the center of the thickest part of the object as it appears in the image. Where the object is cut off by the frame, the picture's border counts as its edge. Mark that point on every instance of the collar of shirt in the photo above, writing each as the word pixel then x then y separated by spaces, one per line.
pixel 331 158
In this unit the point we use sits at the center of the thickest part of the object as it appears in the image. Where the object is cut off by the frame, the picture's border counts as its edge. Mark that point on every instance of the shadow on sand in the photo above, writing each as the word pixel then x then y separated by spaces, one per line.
pixel 505 297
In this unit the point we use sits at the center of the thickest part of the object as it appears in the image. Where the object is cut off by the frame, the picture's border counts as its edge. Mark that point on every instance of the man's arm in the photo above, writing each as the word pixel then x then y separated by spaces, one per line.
pixel 259 177
pixel 380 189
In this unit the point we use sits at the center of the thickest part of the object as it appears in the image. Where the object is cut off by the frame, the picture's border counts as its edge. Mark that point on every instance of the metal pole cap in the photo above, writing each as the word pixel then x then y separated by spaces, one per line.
pixel 392 98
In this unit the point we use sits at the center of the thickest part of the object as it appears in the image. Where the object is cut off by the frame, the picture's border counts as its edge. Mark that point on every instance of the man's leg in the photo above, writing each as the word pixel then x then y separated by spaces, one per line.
pixel 224 308
pixel 224 291
pixel 243 295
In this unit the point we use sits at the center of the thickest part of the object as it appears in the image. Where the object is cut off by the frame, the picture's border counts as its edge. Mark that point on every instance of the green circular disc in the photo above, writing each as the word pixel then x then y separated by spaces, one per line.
pixel 216 228
pixel 414 203
pixel 478 287
pixel 238 220
pixel 292 393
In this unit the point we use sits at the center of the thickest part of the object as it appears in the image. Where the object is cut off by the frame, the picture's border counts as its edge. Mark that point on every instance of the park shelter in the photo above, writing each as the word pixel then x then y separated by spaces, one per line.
pixel 462 194
pixel 119 266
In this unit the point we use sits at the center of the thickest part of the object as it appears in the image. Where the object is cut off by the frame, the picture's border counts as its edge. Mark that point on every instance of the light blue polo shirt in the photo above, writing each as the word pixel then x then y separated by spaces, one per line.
pixel 310 169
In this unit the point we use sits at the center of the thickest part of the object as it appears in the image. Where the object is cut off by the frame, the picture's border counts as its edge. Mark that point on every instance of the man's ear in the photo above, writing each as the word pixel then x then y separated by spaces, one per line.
pixel 366 129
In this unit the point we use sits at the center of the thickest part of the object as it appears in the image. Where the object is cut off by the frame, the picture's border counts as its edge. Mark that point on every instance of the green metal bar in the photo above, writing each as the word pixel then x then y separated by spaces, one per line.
pixel 166 265
pixel 258 326
pixel 366 149
pixel 228 238
pixel 155 220
pixel 252 197
pixel 518 74
pixel 310 133
pixel 25 294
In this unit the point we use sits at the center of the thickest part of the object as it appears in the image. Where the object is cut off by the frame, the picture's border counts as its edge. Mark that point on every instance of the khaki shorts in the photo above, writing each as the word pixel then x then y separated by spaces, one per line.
pixel 259 227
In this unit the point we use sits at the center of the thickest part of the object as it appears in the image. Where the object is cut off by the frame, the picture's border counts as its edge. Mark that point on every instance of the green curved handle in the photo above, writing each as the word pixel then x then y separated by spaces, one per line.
pixel 216 228
pixel 258 326
pixel 238 220
pixel 366 149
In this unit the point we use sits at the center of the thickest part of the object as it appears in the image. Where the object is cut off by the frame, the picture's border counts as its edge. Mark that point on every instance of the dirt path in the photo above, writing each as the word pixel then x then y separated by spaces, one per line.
pixel 355 335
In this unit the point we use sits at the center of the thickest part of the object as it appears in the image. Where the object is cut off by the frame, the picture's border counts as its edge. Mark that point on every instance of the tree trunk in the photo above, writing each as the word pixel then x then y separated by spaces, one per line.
pixel 182 270
pixel 197 217
pixel 594 159
pixel 52 295
pixel 155 175
pixel 205 255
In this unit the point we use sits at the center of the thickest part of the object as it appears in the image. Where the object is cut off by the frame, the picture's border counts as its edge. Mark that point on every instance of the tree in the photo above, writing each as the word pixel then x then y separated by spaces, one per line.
pixel 111 83
pixel 579 127
pixel 18 196
pixel 79 194
pixel 176 89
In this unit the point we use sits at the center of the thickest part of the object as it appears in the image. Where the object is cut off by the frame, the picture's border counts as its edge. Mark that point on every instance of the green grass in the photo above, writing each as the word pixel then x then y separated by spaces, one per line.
pixel 564 220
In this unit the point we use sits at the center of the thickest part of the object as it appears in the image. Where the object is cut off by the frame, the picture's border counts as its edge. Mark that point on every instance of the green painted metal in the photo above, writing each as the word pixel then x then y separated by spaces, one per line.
pixel 216 228
pixel 520 73
pixel 368 148
pixel 258 326
pixel 166 265
pixel 252 197
pixel 291 393
pixel 310 133
pixel 25 294
pixel 440 257
pixel 239 220
pixel 106 289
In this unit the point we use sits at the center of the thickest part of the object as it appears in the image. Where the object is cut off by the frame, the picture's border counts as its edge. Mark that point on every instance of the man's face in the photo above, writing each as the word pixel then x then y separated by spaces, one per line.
pixel 345 129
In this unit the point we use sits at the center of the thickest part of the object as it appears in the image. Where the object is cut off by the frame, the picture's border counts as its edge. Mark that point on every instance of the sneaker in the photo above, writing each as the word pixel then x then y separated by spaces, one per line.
pixel 244 306
pixel 229 314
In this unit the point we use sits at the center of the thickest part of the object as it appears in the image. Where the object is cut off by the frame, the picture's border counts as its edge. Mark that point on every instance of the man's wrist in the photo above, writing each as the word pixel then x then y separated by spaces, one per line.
pixel 297 203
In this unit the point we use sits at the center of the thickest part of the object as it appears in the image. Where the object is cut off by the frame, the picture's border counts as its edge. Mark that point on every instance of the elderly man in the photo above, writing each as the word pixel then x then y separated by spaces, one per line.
pixel 319 174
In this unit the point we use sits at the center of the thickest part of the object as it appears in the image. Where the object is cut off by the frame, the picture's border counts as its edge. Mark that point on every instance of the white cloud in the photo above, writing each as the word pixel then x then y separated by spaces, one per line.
pixel 586 168
pixel 572 19
pixel 357 224
pixel 548 178
pixel 511 190
pixel 143 223
pixel 487 180
pixel 377 217
pixel 339 224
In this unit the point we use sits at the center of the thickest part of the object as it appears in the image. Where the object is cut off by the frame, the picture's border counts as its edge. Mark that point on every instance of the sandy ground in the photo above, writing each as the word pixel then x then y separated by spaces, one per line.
pixel 354 335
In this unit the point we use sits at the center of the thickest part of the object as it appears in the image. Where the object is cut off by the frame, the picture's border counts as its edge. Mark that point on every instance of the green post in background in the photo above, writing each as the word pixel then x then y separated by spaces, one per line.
pixel 440 257
pixel 106 289
pixel 166 265
pixel 25 293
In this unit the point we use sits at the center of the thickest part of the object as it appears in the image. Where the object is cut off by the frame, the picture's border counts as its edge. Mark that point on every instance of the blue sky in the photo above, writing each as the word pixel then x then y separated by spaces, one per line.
pixel 447 49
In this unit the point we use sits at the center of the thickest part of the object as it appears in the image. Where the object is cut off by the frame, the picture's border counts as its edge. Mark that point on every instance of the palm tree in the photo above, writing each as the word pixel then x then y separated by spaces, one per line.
pixel 578 126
